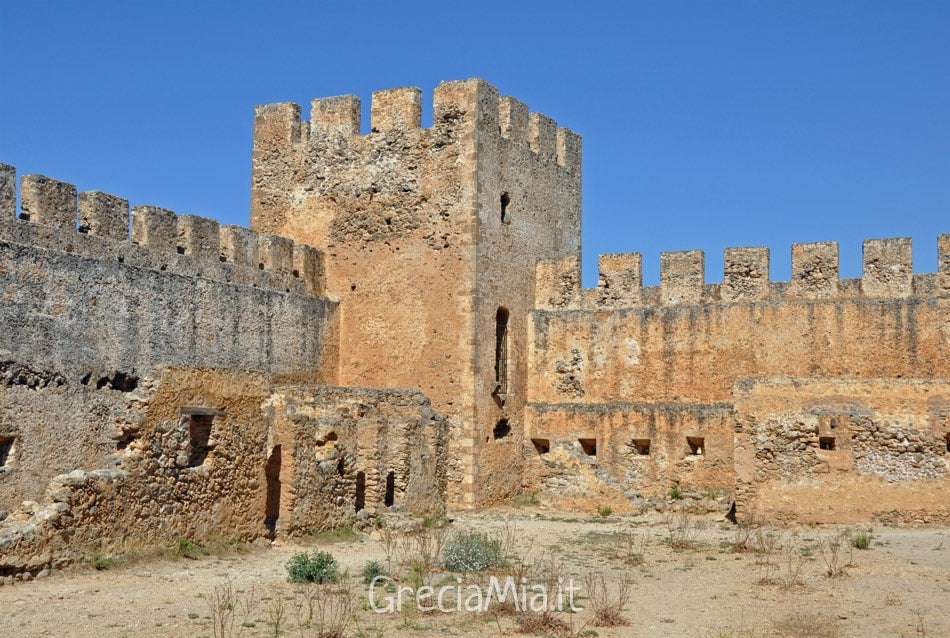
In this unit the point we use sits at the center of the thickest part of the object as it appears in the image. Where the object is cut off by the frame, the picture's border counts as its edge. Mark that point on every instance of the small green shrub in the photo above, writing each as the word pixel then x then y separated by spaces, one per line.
pixel 371 570
pixel 604 511
pixel 318 567
pixel 100 562
pixel 189 549
pixel 472 552
pixel 862 540
pixel 676 493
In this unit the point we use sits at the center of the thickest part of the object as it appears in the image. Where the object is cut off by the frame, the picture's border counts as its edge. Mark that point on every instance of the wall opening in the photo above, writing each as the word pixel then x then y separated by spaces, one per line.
pixel 504 201
pixel 501 353
pixel 640 447
pixel 502 429
pixel 199 438
pixel 697 445
pixel 6 450
pixel 541 446
pixel 272 502
pixel 331 436
pixel 360 490
pixel 826 442
pixel 947 439
pixel 589 446
pixel 390 497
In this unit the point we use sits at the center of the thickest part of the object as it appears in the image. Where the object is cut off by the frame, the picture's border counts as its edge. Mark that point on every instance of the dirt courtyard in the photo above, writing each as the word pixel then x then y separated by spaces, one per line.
pixel 688 576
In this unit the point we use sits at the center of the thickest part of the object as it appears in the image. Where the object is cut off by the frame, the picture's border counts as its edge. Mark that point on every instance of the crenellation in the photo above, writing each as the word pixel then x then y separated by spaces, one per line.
pixel 7 191
pixel 103 215
pixel 278 125
pixel 943 254
pixel 542 135
pixel 682 276
pixel 335 117
pixel 745 274
pixel 276 255
pixel 198 237
pixel 558 284
pixel 888 268
pixel 513 118
pixel 238 246
pixel 620 282
pixel 47 201
pixel 155 227
pixel 395 110
pixel 814 270
pixel 310 268
pixel 569 149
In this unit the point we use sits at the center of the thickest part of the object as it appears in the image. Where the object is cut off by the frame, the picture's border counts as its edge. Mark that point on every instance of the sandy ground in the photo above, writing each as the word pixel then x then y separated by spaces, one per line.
pixel 900 586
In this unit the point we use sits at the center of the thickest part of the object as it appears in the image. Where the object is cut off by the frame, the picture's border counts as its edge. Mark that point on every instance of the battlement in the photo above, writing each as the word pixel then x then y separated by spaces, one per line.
pixel 887 274
pixel 456 104
pixel 101 226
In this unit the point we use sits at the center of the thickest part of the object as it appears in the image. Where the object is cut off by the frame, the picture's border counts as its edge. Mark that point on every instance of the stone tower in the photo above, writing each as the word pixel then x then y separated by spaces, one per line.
pixel 431 239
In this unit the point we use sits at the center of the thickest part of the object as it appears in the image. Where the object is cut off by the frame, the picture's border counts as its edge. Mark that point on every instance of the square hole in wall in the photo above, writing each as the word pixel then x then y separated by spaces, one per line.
pixel 826 442
pixel 501 429
pixel 6 450
pixel 947 440
pixel 697 445
pixel 640 447
pixel 589 446
pixel 201 424
pixel 541 446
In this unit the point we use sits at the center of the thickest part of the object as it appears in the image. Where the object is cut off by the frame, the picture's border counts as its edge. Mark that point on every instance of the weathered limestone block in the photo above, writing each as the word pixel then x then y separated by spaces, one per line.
pixel 337 116
pixel 814 270
pixel 513 117
pixel 396 110
pixel 621 279
pixel 7 191
pixel 558 284
pixel 154 227
pixel 104 215
pixel 888 269
pixel 239 246
pixel 745 274
pixel 198 237
pixel 48 201
pixel 682 276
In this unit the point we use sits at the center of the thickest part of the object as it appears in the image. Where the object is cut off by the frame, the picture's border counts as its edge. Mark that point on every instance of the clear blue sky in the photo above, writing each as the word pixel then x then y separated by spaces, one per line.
pixel 705 124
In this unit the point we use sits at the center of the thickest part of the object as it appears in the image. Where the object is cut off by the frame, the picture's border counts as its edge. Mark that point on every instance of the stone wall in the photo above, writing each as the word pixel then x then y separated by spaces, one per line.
pixel 834 450
pixel 339 447
pixel 91 308
pixel 410 220
pixel 197 462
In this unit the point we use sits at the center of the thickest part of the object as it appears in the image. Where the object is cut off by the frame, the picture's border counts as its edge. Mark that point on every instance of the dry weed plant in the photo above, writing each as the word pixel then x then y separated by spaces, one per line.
pixel 631 547
pixel 607 608
pixel 682 529
pixel 230 610
pixel 806 625
pixel 324 611
pixel 744 536
pixel 766 544
pixel 831 554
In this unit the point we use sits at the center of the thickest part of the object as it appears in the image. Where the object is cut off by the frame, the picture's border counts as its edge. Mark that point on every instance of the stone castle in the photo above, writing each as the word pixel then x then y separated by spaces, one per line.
pixel 403 327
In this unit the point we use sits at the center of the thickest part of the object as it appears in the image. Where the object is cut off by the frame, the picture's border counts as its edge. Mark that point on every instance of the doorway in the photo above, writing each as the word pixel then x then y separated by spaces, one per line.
pixel 272 505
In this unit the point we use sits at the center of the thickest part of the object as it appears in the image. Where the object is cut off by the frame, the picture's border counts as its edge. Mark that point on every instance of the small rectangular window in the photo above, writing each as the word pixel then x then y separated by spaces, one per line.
pixel 697 445
pixel 589 446
pixel 541 446
pixel 501 354
pixel 826 442
pixel 6 449
pixel 640 447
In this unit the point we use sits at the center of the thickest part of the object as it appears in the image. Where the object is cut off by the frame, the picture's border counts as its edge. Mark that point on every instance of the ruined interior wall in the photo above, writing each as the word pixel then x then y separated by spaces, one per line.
pixel 156 489
pixel 416 252
pixel 328 435
pixel 623 471
pixel 87 314
pixel 890 459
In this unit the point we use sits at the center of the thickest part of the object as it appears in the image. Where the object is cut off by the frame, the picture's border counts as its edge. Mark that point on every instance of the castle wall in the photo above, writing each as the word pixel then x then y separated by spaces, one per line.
pixel 417 254
pixel 687 342
pixel 173 479
pixel 843 450
pixel 92 307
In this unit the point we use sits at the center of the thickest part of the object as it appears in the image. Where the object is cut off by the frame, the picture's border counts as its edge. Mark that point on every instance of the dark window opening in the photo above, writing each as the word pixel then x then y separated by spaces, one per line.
pixel 697 445
pixel 272 502
pixel 6 447
pixel 501 353
pixel 640 447
pixel 948 442
pixel 826 442
pixel 589 446
pixel 360 490
pixel 505 200
pixel 390 496
pixel 352 287
pixel 341 466
pixel 25 217
pixel 180 249
pixel 260 266
pixel 222 258
pixel 541 446
pixel 296 274
pixel 199 433
pixel 117 381
pixel 502 429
